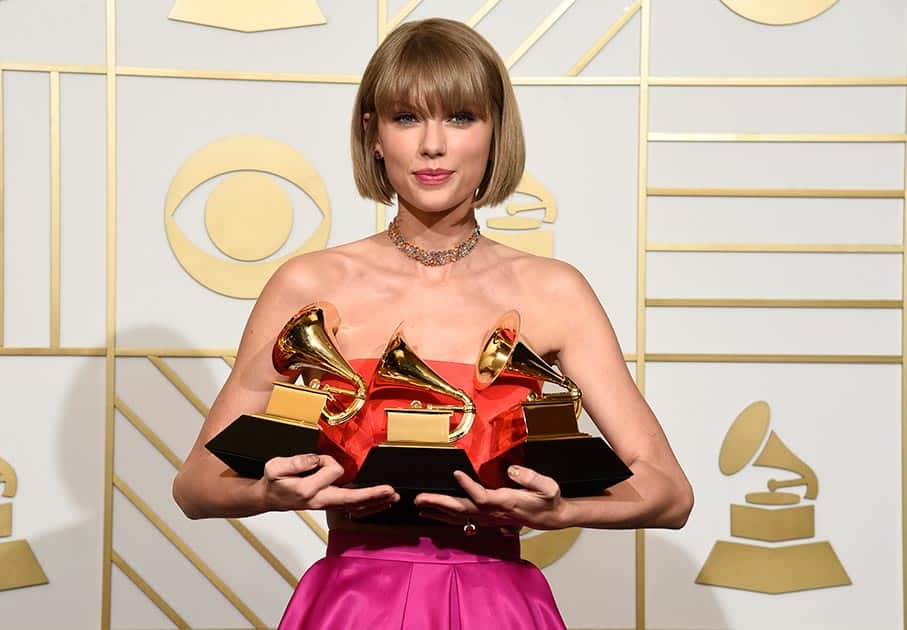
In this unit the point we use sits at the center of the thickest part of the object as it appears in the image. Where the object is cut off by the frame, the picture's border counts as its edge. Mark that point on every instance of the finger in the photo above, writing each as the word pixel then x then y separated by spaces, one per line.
pixel 278 467
pixel 457 505
pixel 504 499
pixel 366 503
pixel 543 485
pixel 368 511
pixel 333 496
pixel 329 472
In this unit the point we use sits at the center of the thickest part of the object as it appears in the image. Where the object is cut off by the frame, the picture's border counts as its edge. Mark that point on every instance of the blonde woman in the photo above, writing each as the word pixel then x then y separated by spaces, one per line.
pixel 436 127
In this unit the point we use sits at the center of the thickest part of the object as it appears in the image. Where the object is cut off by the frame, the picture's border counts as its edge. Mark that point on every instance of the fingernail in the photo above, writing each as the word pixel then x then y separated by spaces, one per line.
pixel 514 471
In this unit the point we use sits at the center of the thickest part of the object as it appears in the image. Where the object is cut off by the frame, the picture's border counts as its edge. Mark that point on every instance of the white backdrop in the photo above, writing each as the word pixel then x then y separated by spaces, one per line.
pixel 734 191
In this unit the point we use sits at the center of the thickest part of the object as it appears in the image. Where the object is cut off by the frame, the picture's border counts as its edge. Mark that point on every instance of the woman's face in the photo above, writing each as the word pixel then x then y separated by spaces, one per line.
pixel 434 163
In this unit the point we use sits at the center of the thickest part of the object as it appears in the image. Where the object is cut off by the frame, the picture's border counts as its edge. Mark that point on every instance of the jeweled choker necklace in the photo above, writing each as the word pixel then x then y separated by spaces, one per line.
pixel 432 257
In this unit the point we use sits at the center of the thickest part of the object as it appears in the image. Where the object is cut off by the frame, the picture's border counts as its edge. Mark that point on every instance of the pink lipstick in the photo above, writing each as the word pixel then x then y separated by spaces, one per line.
pixel 433 175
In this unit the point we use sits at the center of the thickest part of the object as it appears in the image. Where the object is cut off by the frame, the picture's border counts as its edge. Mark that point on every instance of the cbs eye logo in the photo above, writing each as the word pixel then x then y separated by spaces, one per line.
pixel 248 215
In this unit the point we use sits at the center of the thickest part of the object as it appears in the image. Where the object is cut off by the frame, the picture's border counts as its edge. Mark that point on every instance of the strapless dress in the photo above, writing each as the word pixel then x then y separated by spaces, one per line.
pixel 442 580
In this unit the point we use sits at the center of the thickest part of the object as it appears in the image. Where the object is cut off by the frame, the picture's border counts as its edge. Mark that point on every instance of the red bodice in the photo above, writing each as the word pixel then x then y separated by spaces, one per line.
pixel 497 428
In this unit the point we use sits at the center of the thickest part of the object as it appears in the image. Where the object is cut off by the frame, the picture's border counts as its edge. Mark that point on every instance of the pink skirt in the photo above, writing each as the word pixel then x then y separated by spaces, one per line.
pixel 417 583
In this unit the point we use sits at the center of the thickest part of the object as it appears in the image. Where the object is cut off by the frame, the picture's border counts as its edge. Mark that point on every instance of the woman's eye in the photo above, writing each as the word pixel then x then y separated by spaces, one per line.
pixel 461 118
pixel 405 118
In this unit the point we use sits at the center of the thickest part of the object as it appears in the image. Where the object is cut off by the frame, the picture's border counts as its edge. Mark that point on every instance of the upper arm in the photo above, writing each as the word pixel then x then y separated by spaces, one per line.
pixel 588 352
pixel 249 384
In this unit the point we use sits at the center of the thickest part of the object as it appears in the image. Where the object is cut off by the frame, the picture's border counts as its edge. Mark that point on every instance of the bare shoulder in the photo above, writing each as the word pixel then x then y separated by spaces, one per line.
pixel 310 273
pixel 552 277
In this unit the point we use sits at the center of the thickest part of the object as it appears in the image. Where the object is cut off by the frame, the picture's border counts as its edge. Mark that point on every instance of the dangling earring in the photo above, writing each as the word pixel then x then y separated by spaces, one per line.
pixel 378 155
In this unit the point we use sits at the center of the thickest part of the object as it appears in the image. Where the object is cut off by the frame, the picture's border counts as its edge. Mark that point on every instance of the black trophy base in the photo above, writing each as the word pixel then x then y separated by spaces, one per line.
pixel 583 466
pixel 250 441
pixel 411 470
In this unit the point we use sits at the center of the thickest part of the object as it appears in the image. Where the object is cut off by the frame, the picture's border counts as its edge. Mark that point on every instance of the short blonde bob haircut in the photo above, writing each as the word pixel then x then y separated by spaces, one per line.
pixel 438 67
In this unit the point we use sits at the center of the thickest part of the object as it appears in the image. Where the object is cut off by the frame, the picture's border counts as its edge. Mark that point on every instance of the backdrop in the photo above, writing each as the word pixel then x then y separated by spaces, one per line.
pixel 729 175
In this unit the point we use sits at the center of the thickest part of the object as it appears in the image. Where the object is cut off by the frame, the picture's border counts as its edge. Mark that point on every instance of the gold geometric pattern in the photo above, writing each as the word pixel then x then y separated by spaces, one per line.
pixel 643 80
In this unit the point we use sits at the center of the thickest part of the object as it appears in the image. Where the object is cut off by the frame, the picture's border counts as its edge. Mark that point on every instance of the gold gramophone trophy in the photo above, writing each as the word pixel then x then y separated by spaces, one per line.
pixel 289 425
pixel 18 565
pixel 770 517
pixel 419 454
pixel 581 464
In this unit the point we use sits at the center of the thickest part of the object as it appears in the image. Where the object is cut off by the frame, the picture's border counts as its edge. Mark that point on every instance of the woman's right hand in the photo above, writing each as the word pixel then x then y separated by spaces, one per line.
pixel 284 489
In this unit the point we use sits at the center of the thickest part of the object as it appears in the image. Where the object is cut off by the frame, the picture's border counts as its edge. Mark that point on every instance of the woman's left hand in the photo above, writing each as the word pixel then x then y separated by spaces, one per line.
pixel 538 504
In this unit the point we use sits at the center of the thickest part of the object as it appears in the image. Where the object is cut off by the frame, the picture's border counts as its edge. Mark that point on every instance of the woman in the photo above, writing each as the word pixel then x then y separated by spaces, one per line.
pixel 436 125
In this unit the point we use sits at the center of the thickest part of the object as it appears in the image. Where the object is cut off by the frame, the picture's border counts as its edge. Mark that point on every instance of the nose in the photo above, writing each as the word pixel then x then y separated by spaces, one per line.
pixel 433 143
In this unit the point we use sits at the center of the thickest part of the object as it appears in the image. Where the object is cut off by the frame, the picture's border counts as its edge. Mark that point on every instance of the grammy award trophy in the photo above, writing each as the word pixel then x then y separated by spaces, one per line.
pixel 290 423
pixel 581 464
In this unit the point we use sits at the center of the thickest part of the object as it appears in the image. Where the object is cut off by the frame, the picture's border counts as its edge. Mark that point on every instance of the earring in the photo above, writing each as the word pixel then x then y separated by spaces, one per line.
pixel 378 155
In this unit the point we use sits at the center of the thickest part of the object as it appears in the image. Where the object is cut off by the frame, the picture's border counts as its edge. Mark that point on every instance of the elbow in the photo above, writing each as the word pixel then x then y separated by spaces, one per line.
pixel 181 493
pixel 681 506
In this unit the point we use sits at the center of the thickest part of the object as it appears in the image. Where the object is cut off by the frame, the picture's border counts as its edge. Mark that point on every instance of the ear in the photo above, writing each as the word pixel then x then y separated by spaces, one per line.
pixel 366 118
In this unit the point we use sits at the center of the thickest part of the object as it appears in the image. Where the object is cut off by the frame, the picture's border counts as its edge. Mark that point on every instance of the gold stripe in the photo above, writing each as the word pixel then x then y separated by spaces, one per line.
pixel 143 428
pixel 773 358
pixel 540 30
pixel 231 361
pixel 904 393
pixel 54 67
pixel 602 41
pixel 771 303
pixel 843 193
pixel 149 592
pixel 775 137
pixel 545 80
pixel 482 11
pixel 408 8
pixel 641 247
pixel 55 352
pixel 313 525
pixel 777 81
pixel 187 551
pixel 2 221
pixel 236 75
pixel 175 352
pixel 110 314
pixel 54 209
pixel 180 384
pixel 805 248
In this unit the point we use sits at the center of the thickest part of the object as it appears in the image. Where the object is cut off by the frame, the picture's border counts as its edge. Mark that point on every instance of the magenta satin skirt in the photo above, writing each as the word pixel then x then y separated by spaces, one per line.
pixel 450 582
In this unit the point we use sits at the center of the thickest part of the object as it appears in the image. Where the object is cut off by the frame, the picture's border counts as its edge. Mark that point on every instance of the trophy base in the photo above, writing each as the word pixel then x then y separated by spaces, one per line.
pixel 250 441
pixel 411 469
pixel 773 570
pixel 581 464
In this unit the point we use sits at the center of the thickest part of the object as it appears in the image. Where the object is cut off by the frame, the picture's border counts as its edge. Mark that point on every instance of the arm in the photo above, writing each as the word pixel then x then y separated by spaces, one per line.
pixel 658 494
pixel 204 486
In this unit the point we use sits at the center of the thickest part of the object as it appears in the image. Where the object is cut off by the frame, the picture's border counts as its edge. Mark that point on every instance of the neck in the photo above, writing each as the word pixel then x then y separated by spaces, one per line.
pixel 435 230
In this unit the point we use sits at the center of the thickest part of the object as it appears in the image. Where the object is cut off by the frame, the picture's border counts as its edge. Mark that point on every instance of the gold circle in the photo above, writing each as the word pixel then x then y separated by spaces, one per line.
pixel 778 12
pixel 249 216
pixel 744 437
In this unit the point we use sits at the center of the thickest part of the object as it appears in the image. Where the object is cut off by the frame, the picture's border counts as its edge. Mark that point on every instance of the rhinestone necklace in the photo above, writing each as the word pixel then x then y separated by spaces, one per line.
pixel 432 257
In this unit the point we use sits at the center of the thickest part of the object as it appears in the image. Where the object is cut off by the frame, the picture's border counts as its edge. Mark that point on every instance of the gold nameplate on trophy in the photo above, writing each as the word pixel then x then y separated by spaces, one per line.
pixel 295 404
pixel 549 418
pixel 418 425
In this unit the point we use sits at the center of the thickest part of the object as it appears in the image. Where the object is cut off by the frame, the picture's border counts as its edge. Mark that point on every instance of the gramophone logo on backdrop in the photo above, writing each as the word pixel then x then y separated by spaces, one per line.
pixel 779 562
pixel 18 565
pixel 248 215
pixel 249 17
pixel 522 232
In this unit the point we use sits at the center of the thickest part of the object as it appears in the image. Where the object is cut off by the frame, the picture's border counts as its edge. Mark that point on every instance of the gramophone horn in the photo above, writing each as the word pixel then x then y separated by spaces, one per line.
pixel 400 366
pixel 776 454
pixel 505 352
pixel 307 341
